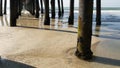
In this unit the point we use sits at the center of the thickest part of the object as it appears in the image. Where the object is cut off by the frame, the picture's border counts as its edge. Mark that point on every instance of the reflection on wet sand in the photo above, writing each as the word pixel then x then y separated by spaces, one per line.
pixel 4 20
pixel 103 32
pixel 97 31
pixel 1 21
pixel 39 23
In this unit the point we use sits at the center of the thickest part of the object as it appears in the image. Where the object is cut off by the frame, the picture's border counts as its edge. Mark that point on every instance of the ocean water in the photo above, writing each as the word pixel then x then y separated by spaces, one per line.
pixel 108 14
pixel 110 18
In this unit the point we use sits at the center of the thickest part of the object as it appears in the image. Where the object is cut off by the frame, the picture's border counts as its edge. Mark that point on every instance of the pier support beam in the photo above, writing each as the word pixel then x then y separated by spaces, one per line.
pixel 30 6
pixel 41 2
pixel 37 8
pixel 13 12
pixel 98 12
pixel 59 9
pixel 17 9
pixel 71 14
pixel 1 8
pixel 33 7
pixel 85 30
pixel 20 7
pixel 47 18
pixel 5 5
pixel 53 9
pixel 62 6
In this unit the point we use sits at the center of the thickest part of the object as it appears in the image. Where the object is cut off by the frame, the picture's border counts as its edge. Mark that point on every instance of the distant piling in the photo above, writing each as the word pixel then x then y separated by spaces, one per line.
pixel 37 8
pixel 1 8
pixel 71 14
pixel 20 6
pixel 59 9
pixel 33 7
pixel 98 12
pixel 41 3
pixel 62 6
pixel 13 13
pixel 53 9
pixel 5 4
pixel 47 17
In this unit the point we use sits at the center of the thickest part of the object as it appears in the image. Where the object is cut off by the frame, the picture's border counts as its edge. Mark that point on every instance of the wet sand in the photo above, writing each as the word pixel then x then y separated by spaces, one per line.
pixel 33 45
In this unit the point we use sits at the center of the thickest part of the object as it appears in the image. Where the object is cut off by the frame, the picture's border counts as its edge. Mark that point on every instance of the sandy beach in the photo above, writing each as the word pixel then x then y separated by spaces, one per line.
pixel 33 45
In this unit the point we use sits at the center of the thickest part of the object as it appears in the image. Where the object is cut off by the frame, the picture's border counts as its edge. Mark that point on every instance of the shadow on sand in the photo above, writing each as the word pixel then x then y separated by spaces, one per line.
pixel 105 60
pixel 48 29
pixel 5 63
pixel 96 59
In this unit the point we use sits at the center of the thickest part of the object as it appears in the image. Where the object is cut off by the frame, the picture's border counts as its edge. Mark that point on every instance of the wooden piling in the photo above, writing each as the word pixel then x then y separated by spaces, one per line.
pixel 33 7
pixel 37 8
pixel 53 9
pixel 59 9
pixel 47 18
pixel 20 6
pixel 71 14
pixel 62 6
pixel 98 12
pixel 1 8
pixel 13 13
pixel 17 9
pixel 5 1
pixel 85 30
pixel 41 2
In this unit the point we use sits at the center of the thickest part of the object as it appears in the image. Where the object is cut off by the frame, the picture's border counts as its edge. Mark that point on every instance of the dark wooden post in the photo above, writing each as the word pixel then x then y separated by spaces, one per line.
pixel 47 18
pixel 20 5
pixel 5 1
pixel 17 8
pixel 41 6
pixel 33 7
pixel 85 30
pixel 53 8
pixel 59 9
pixel 62 7
pixel 37 8
pixel 1 8
pixel 71 15
pixel 98 12
pixel 13 13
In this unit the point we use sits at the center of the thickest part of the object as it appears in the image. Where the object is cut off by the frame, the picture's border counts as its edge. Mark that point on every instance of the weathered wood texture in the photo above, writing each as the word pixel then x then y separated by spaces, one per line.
pixel 85 29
